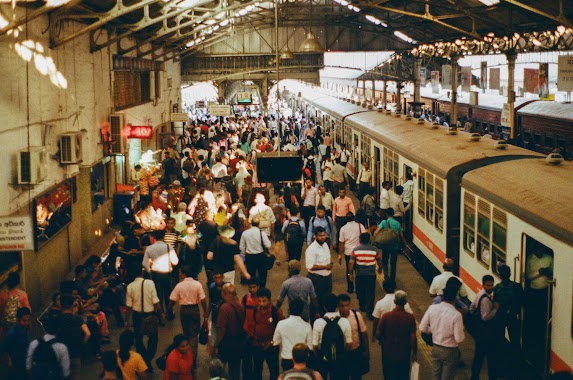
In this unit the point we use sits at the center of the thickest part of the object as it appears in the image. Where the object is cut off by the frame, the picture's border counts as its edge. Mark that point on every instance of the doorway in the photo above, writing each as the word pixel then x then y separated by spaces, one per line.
pixel 538 285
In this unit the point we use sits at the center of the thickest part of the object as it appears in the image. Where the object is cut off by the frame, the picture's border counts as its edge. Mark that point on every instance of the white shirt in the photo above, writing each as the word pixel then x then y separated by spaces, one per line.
pixel 162 256
pixel 219 170
pixel 317 254
pixel 320 323
pixel 60 349
pixel 445 324
pixel 439 283
pixel 408 189
pixel 133 298
pixel 289 148
pixel 327 200
pixel 291 331
pixel 309 196
pixel 535 263
pixel 387 304
pixel 350 236
pixel 364 175
pixel 384 199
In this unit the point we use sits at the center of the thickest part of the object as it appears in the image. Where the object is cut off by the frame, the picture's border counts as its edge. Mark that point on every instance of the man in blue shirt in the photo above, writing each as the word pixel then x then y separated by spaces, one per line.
pixel 324 221
pixel 391 251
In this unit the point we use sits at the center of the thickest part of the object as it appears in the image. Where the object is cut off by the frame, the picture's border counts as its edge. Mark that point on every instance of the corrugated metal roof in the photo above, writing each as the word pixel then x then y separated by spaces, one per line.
pixel 548 109
pixel 540 194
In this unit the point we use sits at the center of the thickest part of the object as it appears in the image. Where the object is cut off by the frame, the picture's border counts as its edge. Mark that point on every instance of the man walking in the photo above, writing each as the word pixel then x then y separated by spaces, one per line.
pixel 298 288
pixel 446 325
pixel 295 233
pixel 324 198
pixel 253 244
pixel 308 195
pixel 362 268
pixel 324 221
pixel 348 239
pixel 342 206
pixel 391 250
pixel 300 355
pixel 319 264
pixel 358 357
pixel 291 331
pixel 396 333
pixel 230 333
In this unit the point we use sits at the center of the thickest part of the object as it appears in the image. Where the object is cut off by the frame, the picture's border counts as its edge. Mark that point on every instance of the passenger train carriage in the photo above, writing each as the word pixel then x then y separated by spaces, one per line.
pixel 472 202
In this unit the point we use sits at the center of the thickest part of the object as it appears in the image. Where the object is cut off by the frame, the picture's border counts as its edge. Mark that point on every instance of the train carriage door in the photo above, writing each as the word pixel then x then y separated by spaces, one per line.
pixel 538 283
pixel 408 216
pixel 377 173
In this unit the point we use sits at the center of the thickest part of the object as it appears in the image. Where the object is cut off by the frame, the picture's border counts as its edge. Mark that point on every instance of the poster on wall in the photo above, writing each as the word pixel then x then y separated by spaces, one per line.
pixel 435 75
pixel 543 80
pixel 422 76
pixel 494 78
pixel 446 77
pixel 531 80
pixel 52 211
pixel 483 75
pixel 466 78
pixel 565 73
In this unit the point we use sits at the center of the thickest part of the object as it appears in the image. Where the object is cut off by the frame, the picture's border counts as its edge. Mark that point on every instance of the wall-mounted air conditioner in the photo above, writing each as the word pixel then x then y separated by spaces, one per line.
pixel 117 144
pixel 71 148
pixel 32 165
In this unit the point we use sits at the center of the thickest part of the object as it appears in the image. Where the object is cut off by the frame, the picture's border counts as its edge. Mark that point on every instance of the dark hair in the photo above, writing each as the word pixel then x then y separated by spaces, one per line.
pixel 389 212
pixel 218 271
pixel 389 285
pixel 22 312
pixel 399 190
pixel 486 278
pixel 93 259
pixel 254 281
pixel 55 296
pixel 158 234
pixel 50 323
pixel 300 353
pixel 371 190
pixel 349 216
pixel 68 287
pixel 296 307
pixel 364 238
pixel 343 297
pixel 319 229
pixel 13 280
pixel 330 302
pixel 293 210
pixel 79 269
pixel 453 282
pixel 320 207
pixel 504 272
pixel 450 294
pixel 67 301
pixel 109 360
pixel 264 292
pixel 126 340
pixel 187 270
pixel 177 340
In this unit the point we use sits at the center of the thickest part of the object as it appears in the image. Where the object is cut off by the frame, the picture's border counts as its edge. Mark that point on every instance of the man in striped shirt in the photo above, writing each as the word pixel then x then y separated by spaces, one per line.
pixel 362 265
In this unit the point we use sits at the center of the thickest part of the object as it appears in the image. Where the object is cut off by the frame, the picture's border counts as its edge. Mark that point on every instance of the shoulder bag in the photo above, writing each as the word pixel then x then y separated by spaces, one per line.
pixel 269 257
pixel 364 365
pixel 386 236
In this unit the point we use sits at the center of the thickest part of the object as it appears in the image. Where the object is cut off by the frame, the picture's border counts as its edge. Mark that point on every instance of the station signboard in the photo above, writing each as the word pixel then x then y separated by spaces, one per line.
pixel 16 233
pixel 179 117
pixel 565 73
pixel 220 110
pixel 494 78
pixel 446 77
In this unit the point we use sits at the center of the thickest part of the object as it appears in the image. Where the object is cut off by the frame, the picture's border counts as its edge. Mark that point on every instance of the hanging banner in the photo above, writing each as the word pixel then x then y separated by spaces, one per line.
pixel 543 80
pixel 435 77
pixel 494 78
pixel 466 78
pixel 565 73
pixel 422 76
pixel 446 77
pixel 530 80
pixel 483 75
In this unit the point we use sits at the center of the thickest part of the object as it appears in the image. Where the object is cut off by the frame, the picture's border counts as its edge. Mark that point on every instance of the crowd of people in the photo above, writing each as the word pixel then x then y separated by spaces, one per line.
pixel 203 213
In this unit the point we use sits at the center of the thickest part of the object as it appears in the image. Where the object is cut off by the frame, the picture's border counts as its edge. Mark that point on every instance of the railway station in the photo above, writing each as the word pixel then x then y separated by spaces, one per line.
pixel 286 189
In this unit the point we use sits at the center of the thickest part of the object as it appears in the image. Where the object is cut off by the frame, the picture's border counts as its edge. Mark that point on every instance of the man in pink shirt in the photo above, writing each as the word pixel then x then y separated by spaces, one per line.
pixel 189 294
pixel 342 206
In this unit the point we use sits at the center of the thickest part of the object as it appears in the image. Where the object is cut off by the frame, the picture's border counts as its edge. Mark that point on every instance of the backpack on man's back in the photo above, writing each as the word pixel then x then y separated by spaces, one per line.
pixel 332 342
pixel 45 363
pixel 294 234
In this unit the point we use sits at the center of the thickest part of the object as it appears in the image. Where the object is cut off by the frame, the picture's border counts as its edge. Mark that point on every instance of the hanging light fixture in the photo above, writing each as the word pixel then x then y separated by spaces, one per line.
pixel 310 45
pixel 287 54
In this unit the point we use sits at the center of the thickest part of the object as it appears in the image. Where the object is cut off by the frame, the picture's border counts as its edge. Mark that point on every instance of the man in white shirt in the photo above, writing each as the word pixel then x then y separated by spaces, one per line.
pixel 363 179
pixel 289 148
pixel 308 194
pixel 348 239
pixel 319 264
pixel 386 304
pixel 344 155
pixel 324 198
pixel 385 195
pixel 446 325
pixel 439 282
pixel 291 331
pixel 334 369
pixel 219 170
pixel 408 189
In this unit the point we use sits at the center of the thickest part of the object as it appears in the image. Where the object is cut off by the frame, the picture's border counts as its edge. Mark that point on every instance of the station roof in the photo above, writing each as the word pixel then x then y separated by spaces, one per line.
pixel 185 24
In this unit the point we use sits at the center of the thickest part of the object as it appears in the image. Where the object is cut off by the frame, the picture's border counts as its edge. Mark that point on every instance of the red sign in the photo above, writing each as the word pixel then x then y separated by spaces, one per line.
pixel 138 131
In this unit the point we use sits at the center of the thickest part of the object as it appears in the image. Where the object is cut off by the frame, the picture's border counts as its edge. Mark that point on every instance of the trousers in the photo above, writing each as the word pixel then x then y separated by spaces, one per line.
pixel 444 362
pixel 255 264
pixel 163 284
pixel 392 255
pixel 271 356
pixel 148 353
pixel 365 292
pixel 349 284
pixel 190 317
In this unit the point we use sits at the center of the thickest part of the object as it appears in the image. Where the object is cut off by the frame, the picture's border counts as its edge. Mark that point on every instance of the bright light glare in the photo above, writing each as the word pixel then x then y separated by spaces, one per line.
pixel 243 12
pixel 489 3
pixel 376 21
pixel 3 22
pixel 41 64
pixel 56 3
pixel 404 37
pixel 224 22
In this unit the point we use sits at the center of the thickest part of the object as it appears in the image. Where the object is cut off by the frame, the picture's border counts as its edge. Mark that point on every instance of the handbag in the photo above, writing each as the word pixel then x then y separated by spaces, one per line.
pixel 161 362
pixel 150 324
pixel 364 366
pixel 386 236
pixel 269 257
pixel 204 335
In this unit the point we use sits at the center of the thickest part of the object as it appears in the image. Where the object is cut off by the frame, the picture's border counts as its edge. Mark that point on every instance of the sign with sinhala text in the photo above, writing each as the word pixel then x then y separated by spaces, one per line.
pixel 179 117
pixel 16 233
pixel 565 73
pixel 446 77
pixel 220 110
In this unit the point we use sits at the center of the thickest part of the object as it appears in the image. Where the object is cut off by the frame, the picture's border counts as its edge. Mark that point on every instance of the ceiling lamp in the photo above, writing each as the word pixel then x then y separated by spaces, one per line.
pixel 489 3
pixel 310 45
pixel 287 54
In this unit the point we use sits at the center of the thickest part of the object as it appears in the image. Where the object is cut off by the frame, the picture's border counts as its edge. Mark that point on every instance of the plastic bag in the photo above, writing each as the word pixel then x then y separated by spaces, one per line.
pixel 415 371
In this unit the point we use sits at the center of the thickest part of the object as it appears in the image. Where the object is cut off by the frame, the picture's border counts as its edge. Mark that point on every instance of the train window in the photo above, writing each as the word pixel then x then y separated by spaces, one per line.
pixel 537 137
pixel 483 233
pixel 391 166
pixel 526 136
pixel 422 193
pixel 469 223
pixel 561 143
pixel 499 239
pixel 430 198
pixel 549 140
pixel 439 205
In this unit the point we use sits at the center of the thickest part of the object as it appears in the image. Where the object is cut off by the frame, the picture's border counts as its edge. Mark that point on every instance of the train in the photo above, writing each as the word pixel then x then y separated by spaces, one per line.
pixel 476 200
pixel 542 126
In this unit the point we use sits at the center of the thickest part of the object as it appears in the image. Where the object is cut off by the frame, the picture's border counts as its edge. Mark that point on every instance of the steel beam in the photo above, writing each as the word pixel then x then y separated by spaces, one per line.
pixel 34 15
pixel 559 18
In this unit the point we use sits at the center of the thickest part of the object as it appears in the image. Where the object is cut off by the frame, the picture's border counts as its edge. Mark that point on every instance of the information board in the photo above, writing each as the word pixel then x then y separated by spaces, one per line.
pixel 220 110
pixel 16 233
pixel 179 117
pixel 565 73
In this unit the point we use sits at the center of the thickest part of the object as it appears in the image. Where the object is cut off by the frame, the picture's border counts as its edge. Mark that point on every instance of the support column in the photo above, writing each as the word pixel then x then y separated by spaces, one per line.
pixel 364 89
pixel 398 100
pixel 454 100
pixel 511 58
pixel 374 92
pixel 385 95
pixel 417 64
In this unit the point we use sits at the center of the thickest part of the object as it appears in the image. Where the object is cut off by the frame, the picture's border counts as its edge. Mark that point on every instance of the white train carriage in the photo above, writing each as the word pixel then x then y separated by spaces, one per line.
pixel 511 211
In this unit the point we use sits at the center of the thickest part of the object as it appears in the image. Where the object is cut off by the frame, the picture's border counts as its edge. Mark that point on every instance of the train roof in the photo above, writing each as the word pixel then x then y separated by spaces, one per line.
pixel 550 109
pixel 540 194
pixel 334 106
pixel 433 149
pixel 493 101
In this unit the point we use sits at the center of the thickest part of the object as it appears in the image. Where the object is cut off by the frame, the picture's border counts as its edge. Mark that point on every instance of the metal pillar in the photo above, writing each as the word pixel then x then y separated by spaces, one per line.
pixel 277 68
pixel 398 101
pixel 511 58
pixel 417 80
pixel 454 100
pixel 364 89
pixel 385 94
pixel 373 92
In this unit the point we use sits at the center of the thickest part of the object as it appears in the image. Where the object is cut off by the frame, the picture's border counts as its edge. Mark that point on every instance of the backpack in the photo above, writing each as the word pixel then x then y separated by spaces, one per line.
pixel 265 220
pixel 507 297
pixel 473 320
pixel 188 166
pixel 294 234
pixel 11 308
pixel 332 344
pixel 45 363
pixel 386 236
pixel 298 374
